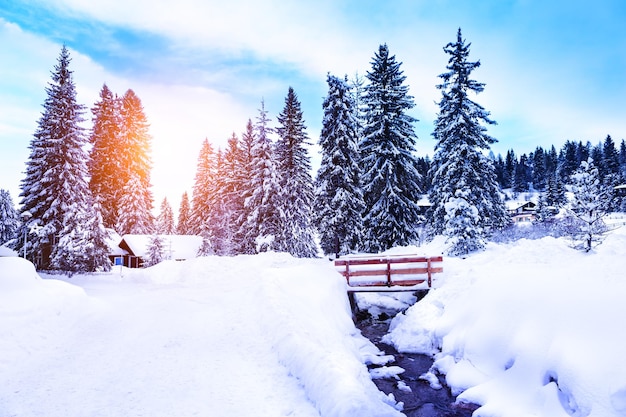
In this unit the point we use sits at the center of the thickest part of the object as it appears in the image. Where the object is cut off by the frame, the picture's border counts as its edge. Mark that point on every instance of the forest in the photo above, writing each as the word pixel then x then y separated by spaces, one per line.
pixel 260 194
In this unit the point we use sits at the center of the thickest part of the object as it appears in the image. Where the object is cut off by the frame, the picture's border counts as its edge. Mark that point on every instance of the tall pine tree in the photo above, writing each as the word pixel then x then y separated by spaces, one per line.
pixel 245 245
pixel 203 188
pixel 590 203
pixel 466 201
pixel 183 227
pixel 339 201
pixel 106 181
pixel 55 191
pixel 295 199
pixel 165 220
pixel 135 214
pixel 9 218
pixel 390 175
pixel 263 221
pixel 135 158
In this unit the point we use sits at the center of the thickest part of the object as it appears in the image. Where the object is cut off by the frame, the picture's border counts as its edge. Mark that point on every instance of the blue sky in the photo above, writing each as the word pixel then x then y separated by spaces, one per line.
pixel 554 70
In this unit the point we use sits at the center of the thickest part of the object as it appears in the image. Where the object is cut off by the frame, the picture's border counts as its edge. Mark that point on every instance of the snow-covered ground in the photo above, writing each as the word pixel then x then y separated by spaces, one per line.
pixel 531 328
pixel 257 336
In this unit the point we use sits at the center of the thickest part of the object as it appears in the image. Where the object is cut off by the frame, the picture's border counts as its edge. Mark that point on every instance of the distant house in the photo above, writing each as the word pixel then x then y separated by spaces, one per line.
pixel 133 249
pixel 522 211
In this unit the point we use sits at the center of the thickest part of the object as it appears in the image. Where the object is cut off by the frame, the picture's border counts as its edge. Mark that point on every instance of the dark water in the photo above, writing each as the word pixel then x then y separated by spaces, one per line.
pixel 422 401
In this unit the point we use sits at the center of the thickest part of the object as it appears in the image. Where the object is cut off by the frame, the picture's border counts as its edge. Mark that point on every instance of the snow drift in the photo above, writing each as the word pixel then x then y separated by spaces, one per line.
pixel 249 335
pixel 528 328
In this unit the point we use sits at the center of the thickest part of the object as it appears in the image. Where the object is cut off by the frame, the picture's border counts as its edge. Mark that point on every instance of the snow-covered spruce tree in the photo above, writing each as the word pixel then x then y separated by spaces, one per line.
pixel 203 189
pixel 105 164
pixel 135 212
pixel 264 218
pixel 9 218
pixel 295 198
pixel 461 171
pixel 555 191
pixel 390 176
pixel 227 199
pixel 357 91
pixel 165 220
pixel 183 227
pixel 460 222
pixel 243 243
pixel 82 246
pixel 155 250
pixel 588 207
pixel 55 188
pixel 339 202
pixel 539 169
pixel 135 143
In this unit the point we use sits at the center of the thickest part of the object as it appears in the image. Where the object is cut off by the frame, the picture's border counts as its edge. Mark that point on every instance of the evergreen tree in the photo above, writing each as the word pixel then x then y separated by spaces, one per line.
pixel 589 206
pixel 568 162
pixel 227 198
pixel 555 193
pixel 155 250
pixel 165 220
pixel 135 216
pixel 390 176
pixel 539 169
pixel 423 168
pixel 338 196
pixel 296 234
pixel 184 226
pixel 203 188
pixel 520 178
pixel 622 159
pixel 583 152
pixel 595 153
pixel 357 91
pixel 499 166
pixel 552 162
pixel 135 143
pixel 542 211
pixel 466 201
pixel 509 169
pixel 82 246
pixel 245 245
pixel 264 218
pixel 105 169
pixel 9 218
pixel 610 157
pixel 55 188
pixel 462 222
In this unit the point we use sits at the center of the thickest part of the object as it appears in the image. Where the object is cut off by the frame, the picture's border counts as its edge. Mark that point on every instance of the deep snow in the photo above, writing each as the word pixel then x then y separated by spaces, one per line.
pixel 531 328
pixel 265 335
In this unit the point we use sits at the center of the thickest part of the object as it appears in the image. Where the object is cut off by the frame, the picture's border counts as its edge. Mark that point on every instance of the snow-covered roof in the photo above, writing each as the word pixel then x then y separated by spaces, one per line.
pixel 174 246
pixel 113 241
pixel 514 205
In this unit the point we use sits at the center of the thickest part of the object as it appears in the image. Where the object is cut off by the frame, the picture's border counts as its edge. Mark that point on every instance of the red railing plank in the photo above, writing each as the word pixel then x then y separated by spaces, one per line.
pixel 386 272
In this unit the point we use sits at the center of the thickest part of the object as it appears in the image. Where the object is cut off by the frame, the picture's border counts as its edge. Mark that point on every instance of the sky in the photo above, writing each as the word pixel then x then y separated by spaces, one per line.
pixel 553 71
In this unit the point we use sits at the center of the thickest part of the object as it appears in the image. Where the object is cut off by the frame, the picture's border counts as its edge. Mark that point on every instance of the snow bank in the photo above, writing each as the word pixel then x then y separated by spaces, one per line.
pixel 258 335
pixel 22 290
pixel 302 307
pixel 28 306
pixel 529 328
pixel 309 322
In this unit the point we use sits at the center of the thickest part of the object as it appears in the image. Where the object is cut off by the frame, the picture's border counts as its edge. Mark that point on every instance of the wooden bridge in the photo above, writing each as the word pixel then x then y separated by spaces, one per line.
pixel 376 273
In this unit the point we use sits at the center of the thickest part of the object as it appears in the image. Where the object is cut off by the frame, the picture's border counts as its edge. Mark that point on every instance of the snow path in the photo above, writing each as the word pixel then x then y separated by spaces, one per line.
pixel 153 351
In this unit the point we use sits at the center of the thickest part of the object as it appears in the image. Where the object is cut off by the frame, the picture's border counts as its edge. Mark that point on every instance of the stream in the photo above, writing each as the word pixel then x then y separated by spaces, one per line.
pixel 420 400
